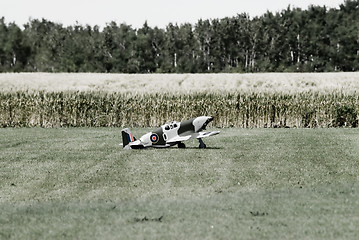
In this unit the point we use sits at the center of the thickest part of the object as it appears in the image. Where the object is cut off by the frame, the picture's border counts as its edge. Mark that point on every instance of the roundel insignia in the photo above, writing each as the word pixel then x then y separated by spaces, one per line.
pixel 154 138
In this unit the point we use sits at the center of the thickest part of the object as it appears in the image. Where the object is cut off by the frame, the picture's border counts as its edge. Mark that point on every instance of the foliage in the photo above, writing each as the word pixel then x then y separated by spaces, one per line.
pixel 346 116
pixel 294 40
pixel 247 110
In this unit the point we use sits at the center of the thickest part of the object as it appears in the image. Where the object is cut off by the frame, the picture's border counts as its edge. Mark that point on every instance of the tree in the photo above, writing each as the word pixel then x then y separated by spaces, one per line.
pixel 119 48
pixel 317 39
pixel 14 51
pixel 146 49
pixel 203 33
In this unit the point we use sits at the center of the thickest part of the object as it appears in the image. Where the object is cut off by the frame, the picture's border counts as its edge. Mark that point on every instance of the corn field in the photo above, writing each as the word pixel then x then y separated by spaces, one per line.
pixel 245 110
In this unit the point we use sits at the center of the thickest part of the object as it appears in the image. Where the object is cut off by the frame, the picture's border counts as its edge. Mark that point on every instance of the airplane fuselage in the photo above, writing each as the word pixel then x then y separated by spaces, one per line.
pixel 173 133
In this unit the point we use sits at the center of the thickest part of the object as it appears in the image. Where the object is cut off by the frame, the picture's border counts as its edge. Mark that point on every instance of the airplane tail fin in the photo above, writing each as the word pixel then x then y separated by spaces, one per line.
pixel 127 137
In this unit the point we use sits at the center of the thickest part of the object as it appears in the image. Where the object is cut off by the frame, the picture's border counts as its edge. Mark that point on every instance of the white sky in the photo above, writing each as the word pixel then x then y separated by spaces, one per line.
pixel 136 12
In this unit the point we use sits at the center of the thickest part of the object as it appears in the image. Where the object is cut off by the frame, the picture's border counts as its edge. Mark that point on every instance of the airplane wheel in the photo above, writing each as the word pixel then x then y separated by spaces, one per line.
pixel 181 145
pixel 202 145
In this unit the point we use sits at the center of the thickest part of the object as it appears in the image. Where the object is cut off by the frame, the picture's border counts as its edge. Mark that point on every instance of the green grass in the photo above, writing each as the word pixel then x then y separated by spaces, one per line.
pixel 77 183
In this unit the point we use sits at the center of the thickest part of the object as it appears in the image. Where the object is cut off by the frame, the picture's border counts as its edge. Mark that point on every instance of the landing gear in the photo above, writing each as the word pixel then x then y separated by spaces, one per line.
pixel 201 143
pixel 181 145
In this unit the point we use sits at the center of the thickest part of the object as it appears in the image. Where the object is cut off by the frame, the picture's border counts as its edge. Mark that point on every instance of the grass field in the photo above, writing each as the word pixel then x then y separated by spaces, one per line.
pixel 77 183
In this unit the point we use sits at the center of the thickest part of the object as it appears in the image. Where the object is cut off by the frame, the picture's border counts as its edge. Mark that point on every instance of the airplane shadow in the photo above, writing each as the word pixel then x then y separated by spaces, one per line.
pixel 177 148
pixel 191 148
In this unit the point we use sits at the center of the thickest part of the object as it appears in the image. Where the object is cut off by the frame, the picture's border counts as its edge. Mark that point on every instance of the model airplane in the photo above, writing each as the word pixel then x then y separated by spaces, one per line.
pixel 170 134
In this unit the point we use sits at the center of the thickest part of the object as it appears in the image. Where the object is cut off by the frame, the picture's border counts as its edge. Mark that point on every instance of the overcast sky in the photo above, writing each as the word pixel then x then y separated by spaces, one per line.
pixel 136 12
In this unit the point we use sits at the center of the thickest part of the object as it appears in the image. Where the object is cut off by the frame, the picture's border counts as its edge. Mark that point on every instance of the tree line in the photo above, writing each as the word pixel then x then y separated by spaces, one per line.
pixel 317 39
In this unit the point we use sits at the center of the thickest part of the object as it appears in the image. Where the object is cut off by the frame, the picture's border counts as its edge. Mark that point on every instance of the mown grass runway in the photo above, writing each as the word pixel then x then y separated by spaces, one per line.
pixel 77 183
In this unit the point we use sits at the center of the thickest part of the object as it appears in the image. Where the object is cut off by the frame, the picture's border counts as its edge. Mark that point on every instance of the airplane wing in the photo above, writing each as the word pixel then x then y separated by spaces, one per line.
pixel 207 134
pixel 179 139
pixel 195 135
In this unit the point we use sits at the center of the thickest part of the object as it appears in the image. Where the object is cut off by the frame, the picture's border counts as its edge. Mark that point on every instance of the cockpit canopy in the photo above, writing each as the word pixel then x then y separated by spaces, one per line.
pixel 171 125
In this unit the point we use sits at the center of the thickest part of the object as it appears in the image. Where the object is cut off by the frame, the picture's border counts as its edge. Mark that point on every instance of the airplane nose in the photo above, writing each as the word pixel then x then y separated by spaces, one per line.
pixel 209 119
pixel 200 123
